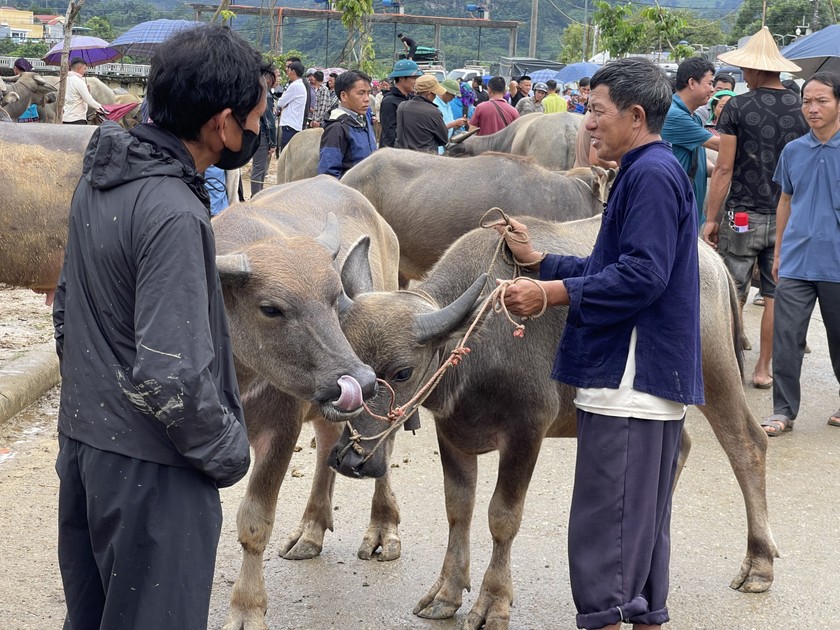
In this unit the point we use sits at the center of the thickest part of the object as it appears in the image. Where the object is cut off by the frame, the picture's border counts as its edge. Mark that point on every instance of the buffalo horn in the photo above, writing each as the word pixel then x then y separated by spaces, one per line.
pixel 462 136
pixel 428 326
pixel 234 269
pixel 330 237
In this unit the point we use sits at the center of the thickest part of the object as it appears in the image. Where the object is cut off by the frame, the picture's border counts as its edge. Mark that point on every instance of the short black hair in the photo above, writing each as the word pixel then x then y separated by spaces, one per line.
pixel 291 59
pixel 77 61
pixel 497 84
pixel 198 72
pixel 634 81
pixel 319 76
pixel 333 74
pixel 296 67
pixel 399 35
pixel 524 77
pixel 726 78
pixel 584 82
pixel 830 79
pixel 793 86
pixel 693 68
pixel 551 84
pixel 348 79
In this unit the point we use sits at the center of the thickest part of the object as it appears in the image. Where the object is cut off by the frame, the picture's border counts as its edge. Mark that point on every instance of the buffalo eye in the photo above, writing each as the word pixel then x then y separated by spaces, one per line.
pixel 270 311
pixel 403 374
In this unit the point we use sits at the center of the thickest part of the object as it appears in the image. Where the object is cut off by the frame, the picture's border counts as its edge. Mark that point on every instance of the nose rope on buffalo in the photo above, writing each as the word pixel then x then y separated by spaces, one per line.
pixel 397 416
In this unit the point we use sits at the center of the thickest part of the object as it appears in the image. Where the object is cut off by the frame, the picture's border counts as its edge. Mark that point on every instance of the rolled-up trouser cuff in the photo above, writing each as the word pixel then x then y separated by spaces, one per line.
pixel 633 611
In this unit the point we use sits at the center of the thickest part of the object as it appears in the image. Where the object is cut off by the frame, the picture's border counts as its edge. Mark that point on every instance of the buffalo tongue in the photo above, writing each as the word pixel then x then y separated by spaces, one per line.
pixel 351 394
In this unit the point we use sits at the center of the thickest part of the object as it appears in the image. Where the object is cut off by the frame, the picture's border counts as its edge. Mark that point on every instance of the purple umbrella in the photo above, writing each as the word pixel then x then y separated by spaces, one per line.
pixel 93 50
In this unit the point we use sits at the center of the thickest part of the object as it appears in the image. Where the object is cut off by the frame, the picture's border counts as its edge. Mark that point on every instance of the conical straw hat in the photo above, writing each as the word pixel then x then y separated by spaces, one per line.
pixel 760 53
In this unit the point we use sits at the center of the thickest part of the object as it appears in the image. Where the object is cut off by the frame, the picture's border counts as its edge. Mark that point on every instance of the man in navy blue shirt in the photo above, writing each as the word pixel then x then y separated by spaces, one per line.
pixel 631 346
pixel 806 264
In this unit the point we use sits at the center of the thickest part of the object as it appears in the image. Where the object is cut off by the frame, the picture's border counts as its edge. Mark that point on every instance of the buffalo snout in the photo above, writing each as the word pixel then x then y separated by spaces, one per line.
pixel 354 459
pixel 344 394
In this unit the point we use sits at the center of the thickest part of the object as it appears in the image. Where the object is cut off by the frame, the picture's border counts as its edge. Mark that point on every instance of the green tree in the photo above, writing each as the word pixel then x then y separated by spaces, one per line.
pixel 7 45
pixel 571 43
pixel 354 14
pixel 783 16
pixel 619 34
pixel 31 49
pixel 100 27
pixel 667 26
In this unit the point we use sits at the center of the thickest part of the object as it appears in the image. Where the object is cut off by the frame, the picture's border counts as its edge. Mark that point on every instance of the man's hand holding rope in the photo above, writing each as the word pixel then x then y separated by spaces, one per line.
pixel 530 298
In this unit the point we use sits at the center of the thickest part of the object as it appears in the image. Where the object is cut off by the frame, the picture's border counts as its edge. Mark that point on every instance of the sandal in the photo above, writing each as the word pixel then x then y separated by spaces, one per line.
pixel 758 300
pixel 834 419
pixel 777 424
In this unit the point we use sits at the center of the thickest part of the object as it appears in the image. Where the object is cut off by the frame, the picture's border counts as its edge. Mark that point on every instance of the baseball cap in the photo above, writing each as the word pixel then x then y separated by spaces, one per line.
pixel 310 72
pixel 428 83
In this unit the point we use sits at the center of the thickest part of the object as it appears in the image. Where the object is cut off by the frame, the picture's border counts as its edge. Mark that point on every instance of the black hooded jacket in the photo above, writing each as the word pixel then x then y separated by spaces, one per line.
pixel 146 361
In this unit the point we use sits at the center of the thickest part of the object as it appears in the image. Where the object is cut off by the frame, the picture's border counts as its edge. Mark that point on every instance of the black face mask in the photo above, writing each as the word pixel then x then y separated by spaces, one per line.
pixel 232 160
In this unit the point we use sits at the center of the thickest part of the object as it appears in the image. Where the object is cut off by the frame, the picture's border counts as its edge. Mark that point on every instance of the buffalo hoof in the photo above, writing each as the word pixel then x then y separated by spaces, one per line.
pixel 386 538
pixel 755 576
pixel 438 610
pixel 475 621
pixel 241 619
pixel 302 544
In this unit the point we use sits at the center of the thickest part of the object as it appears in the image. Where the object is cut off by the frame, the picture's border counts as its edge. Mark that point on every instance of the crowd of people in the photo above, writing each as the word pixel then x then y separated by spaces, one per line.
pixel 631 343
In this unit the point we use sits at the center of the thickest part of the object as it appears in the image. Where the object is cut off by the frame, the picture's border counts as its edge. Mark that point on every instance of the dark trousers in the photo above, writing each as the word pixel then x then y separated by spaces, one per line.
pixel 259 165
pixel 620 519
pixel 286 134
pixel 136 541
pixel 795 300
pixel 75 122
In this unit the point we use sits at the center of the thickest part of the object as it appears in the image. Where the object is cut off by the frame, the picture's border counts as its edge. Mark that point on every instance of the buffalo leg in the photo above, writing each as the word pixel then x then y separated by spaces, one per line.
pixel 382 532
pixel 307 540
pixel 745 444
pixel 460 471
pixel 273 443
pixel 516 466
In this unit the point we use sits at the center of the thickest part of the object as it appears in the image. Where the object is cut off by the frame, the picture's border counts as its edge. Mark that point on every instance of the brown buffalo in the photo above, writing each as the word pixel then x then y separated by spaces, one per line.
pixel 501 397
pixel 548 138
pixel 431 200
pixel 41 167
pixel 293 363
pixel 299 159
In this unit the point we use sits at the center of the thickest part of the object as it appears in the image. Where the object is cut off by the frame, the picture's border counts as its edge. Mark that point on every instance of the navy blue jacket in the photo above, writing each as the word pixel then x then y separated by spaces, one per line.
pixel 345 142
pixel 642 273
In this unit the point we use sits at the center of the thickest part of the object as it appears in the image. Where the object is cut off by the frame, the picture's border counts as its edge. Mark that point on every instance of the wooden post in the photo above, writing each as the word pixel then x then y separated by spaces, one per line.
pixel 73 9
pixel 437 36
pixel 532 42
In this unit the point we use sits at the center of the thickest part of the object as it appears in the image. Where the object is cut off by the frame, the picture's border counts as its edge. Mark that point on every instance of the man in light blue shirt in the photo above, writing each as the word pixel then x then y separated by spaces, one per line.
pixel 444 105
pixel 685 131
pixel 807 254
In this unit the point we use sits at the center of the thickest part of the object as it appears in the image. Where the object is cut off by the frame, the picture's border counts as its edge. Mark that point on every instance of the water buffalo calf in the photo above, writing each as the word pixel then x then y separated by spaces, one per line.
pixel 431 200
pixel 282 292
pixel 501 397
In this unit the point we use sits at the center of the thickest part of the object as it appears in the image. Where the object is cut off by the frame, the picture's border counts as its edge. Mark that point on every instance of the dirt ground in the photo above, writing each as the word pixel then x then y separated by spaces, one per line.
pixel 24 321
pixel 339 591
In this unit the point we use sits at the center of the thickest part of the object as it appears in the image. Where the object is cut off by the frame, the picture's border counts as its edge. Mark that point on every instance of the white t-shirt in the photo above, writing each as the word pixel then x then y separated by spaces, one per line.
pixel 293 103
pixel 77 98
pixel 626 402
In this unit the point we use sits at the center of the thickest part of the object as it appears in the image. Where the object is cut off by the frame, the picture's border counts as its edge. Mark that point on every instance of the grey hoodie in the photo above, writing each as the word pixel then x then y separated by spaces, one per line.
pixel 146 360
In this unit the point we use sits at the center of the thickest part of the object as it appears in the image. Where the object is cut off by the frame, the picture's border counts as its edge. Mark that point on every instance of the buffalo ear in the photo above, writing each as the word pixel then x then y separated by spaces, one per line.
pixel 234 269
pixel 356 274
pixel 601 182
pixel 330 237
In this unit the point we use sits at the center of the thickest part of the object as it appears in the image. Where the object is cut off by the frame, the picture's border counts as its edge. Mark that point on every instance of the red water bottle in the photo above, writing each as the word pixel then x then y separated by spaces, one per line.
pixel 741 222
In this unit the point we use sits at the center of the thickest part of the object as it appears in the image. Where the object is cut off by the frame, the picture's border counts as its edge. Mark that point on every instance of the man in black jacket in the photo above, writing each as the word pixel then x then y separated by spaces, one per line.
pixel 403 75
pixel 420 123
pixel 150 422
